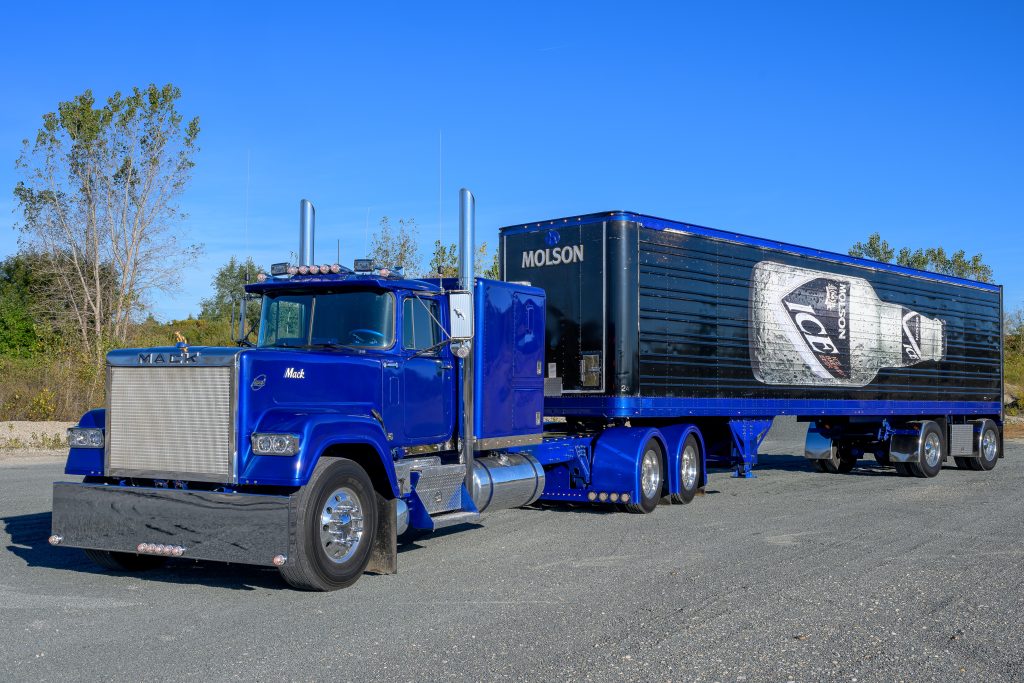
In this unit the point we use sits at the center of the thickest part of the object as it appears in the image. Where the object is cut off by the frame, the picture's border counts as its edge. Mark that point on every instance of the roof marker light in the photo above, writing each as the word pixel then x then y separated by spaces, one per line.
pixel 292 270
pixel 303 270
pixel 335 268
pixel 314 269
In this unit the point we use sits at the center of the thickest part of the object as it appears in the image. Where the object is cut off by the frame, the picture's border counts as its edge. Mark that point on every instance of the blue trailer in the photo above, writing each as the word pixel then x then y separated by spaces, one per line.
pixel 617 358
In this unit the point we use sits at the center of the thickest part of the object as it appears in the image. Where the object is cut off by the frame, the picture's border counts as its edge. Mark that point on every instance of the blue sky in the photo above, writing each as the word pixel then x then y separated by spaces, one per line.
pixel 812 123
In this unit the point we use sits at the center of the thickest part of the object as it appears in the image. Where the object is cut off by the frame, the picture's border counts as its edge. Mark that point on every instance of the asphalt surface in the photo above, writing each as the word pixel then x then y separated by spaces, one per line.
pixel 794 575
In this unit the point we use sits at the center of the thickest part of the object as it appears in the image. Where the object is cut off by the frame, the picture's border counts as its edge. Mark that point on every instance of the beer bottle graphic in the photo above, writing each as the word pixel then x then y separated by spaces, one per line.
pixel 811 327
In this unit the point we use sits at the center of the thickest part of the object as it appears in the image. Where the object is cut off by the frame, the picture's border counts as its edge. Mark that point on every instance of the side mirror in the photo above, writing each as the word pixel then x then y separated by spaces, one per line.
pixel 460 315
pixel 244 330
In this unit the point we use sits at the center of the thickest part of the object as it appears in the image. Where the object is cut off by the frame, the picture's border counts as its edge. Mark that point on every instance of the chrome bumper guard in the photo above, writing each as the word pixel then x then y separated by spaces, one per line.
pixel 225 527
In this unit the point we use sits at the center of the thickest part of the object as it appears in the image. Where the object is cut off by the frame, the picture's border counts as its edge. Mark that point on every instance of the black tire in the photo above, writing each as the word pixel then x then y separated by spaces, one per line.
pixel 339 487
pixel 688 491
pixel 882 458
pixel 931 452
pixel 649 499
pixel 986 461
pixel 902 469
pixel 124 562
pixel 840 462
pixel 965 463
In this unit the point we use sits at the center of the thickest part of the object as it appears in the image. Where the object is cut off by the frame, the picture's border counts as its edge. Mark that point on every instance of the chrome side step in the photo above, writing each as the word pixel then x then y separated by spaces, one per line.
pixel 454 518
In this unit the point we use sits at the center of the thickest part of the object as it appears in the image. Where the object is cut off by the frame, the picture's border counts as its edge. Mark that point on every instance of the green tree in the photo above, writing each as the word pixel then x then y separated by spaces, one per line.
pixel 390 248
pixel 934 259
pixel 18 279
pixel 228 283
pixel 99 199
pixel 445 261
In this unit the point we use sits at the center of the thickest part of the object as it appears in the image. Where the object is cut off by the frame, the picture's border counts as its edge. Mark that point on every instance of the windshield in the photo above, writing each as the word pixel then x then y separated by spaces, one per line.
pixel 361 319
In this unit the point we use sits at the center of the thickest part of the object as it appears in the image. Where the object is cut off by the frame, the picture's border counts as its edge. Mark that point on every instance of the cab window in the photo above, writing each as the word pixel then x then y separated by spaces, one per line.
pixel 419 329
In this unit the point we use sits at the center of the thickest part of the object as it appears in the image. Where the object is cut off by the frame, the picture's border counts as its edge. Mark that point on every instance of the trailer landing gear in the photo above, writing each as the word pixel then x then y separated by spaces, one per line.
pixel 747 435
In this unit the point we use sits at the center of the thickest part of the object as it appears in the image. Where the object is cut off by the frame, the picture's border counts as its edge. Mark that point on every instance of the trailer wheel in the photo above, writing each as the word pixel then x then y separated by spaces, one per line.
pixel 337 519
pixel 930 453
pixel 988 451
pixel 124 562
pixel 651 478
pixel 689 471
pixel 841 461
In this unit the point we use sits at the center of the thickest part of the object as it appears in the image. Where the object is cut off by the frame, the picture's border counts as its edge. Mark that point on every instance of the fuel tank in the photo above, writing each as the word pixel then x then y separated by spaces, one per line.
pixel 509 480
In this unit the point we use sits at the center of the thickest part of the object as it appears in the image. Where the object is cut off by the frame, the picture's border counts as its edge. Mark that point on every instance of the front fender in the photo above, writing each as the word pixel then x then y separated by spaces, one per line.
pixel 317 432
pixel 88 461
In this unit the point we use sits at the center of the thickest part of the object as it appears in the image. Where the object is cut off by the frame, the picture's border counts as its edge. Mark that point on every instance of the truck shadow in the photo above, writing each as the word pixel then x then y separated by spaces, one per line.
pixel 29 536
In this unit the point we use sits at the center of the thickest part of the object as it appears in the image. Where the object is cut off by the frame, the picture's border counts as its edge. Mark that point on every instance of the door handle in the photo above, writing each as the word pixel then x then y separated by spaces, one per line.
pixel 446 366
pixel 390 364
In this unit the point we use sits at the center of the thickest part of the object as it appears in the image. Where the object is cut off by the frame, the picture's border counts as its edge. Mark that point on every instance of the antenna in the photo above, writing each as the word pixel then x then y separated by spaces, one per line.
pixel 440 189
pixel 248 175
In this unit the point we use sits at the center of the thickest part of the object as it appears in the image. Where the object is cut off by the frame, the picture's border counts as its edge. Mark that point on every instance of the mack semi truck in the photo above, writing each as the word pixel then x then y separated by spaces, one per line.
pixel 618 357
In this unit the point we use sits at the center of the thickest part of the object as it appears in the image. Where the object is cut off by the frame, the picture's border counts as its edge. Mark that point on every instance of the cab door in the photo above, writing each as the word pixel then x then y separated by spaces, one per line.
pixel 428 391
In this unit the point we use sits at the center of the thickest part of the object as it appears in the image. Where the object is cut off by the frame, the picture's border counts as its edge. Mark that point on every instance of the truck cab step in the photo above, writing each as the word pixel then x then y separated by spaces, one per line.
pixel 453 518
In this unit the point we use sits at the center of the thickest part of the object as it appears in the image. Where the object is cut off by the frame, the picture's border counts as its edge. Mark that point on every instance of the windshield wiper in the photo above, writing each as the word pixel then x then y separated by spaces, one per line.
pixel 332 345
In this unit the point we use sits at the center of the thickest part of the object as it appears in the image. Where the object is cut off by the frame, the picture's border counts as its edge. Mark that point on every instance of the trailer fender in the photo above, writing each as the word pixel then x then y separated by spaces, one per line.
pixel 320 435
pixel 617 455
pixel 675 436
pixel 88 461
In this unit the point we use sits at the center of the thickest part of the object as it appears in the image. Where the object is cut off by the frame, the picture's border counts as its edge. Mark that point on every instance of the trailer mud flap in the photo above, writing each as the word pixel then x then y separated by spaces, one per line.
pixel 224 527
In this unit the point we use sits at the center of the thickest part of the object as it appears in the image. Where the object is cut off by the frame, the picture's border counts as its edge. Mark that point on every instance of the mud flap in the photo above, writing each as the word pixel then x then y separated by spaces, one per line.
pixel 384 554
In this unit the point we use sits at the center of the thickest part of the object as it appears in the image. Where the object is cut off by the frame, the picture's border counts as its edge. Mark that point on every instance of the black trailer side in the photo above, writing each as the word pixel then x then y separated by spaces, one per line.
pixel 655 319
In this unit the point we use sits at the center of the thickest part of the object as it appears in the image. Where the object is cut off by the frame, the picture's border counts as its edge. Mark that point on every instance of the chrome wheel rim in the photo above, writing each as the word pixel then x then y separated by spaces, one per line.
pixel 989 445
pixel 689 468
pixel 341 525
pixel 650 474
pixel 932 449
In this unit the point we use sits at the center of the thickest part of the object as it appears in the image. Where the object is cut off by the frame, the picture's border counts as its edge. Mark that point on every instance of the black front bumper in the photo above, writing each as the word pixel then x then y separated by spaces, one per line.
pixel 225 527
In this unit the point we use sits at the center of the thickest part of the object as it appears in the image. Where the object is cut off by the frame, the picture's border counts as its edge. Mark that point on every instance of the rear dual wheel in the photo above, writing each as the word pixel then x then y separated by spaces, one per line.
pixel 651 479
pixel 689 471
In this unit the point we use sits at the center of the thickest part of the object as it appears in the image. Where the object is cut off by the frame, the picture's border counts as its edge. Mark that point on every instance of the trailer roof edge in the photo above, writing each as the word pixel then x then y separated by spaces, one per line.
pixel 656 223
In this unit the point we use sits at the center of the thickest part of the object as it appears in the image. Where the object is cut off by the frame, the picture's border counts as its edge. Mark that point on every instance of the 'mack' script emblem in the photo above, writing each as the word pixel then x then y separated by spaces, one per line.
pixel 292 373
pixel 168 358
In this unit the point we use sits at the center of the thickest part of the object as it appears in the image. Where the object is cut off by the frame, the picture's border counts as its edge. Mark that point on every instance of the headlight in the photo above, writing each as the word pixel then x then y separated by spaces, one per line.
pixel 85 437
pixel 275 444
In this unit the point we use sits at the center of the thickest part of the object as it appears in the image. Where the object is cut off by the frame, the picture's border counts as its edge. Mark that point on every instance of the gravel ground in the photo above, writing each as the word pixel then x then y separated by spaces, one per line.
pixel 794 575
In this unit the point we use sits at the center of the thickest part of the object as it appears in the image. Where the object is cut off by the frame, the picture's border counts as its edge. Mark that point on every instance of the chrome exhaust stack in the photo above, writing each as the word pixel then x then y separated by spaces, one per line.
pixel 467 236
pixel 467 228
pixel 307 228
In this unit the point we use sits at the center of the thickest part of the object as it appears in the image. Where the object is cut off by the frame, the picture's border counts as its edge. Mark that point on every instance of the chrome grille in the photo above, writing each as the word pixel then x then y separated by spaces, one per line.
pixel 171 423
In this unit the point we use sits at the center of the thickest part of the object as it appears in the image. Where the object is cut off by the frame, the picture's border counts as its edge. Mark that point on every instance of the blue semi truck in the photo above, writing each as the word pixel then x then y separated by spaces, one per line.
pixel 617 358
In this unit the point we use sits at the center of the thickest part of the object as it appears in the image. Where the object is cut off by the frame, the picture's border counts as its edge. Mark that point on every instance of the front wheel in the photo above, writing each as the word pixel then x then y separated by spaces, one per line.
pixel 650 478
pixel 337 518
